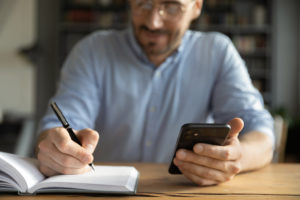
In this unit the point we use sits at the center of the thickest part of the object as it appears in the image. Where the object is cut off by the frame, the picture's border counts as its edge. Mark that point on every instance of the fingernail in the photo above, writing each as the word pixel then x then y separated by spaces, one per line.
pixel 90 148
pixel 199 148
pixel 176 162
pixel 87 159
pixel 181 154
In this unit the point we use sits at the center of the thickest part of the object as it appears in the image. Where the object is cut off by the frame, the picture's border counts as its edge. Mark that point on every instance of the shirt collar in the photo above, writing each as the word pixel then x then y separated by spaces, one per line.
pixel 135 45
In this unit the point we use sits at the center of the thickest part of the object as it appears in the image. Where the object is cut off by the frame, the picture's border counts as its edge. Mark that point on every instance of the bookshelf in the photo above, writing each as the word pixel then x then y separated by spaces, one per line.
pixel 248 23
pixel 64 22
pixel 80 17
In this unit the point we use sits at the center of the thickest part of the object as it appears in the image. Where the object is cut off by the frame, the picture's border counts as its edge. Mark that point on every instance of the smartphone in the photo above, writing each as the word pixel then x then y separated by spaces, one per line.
pixel 193 133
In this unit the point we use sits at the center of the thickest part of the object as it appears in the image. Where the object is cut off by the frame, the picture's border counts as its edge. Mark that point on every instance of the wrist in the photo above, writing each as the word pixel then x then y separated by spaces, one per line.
pixel 256 151
pixel 245 157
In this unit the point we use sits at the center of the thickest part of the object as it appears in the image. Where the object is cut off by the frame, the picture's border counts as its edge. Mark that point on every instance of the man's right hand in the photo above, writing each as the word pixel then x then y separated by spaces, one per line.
pixel 58 154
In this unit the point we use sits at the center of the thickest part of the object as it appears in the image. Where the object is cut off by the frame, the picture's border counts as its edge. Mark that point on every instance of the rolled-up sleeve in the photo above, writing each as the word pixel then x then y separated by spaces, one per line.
pixel 78 91
pixel 235 96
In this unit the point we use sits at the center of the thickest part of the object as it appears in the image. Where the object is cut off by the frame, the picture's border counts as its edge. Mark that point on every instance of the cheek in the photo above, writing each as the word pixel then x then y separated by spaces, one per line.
pixel 176 36
pixel 136 21
pixel 133 21
pixel 135 25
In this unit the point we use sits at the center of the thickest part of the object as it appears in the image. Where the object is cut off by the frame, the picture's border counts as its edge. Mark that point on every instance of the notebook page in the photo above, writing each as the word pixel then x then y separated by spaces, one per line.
pixel 105 178
pixel 7 183
pixel 23 170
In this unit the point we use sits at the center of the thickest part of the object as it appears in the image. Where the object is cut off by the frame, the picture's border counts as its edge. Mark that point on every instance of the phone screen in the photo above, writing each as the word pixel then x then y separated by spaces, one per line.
pixel 191 134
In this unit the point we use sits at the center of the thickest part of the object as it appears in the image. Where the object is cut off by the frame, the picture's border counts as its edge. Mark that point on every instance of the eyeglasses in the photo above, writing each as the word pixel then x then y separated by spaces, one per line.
pixel 169 10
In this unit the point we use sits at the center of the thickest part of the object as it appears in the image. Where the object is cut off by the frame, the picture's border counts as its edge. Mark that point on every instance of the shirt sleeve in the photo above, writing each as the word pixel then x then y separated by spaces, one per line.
pixel 78 94
pixel 235 96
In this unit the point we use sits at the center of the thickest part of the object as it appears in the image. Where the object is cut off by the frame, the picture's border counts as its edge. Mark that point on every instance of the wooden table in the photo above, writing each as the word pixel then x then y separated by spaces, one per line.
pixel 276 181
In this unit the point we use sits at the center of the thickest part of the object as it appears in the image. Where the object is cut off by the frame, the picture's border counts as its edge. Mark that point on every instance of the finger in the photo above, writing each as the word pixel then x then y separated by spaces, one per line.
pixel 228 152
pixel 46 147
pixel 61 158
pixel 236 124
pixel 47 171
pixel 89 139
pixel 49 162
pixel 198 180
pixel 202 171
pixel 64 144
pixel 221 165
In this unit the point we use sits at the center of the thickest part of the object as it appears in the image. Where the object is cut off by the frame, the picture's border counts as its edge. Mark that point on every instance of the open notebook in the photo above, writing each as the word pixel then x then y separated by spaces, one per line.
pixel 19 174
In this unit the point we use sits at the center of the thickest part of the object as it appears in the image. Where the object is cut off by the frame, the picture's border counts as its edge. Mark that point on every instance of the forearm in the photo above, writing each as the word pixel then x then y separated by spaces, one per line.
pixel 257 151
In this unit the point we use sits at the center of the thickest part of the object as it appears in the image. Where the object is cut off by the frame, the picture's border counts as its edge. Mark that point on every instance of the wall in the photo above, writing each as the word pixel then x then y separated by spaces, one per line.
pixel 17 75
pixel 286 55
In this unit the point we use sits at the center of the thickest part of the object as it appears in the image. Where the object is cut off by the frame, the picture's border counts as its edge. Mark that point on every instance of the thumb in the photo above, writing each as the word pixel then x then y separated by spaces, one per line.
pixel 236 124
pixel 88 138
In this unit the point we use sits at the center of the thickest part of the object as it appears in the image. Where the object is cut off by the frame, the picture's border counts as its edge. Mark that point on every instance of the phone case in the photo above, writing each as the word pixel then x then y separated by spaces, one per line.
pixel 193 133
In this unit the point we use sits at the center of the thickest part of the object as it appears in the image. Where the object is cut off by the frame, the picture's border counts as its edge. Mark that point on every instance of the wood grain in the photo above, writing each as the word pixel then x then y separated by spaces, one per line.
pixel 274 182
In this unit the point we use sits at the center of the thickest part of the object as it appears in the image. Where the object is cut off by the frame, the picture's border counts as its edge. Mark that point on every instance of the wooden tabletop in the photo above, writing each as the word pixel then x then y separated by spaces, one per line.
pixel 276 181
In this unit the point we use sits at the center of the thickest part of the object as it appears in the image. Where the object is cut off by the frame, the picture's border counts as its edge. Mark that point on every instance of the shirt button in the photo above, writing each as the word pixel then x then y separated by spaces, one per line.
pixel 148 143
pixel 158 74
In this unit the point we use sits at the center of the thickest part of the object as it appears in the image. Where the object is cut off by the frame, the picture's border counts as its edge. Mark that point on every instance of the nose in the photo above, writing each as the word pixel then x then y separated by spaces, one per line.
pixel 154 20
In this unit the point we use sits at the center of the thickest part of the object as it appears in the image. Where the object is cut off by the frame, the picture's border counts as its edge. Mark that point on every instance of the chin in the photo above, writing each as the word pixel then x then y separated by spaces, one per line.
pixel 153 49
pixel 154 52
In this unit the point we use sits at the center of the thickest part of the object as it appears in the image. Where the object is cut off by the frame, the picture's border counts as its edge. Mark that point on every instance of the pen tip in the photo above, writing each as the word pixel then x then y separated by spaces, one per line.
pixel 92 166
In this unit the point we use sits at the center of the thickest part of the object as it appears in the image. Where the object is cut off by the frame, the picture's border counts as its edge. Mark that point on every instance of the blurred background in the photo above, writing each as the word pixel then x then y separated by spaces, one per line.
pixel 36 36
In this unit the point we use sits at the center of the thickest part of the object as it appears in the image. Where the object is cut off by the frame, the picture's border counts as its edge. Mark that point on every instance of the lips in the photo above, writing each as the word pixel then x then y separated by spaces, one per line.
pixel 153 36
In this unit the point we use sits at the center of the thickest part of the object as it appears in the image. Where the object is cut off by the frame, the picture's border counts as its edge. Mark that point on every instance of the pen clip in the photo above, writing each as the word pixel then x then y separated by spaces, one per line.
pixel 59 115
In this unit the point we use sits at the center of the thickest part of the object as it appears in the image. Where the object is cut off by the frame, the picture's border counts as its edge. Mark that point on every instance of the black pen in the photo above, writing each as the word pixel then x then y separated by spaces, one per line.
pixel 67 126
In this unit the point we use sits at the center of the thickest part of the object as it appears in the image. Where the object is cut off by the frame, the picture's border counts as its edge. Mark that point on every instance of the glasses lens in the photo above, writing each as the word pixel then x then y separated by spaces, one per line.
pixel 170 11
pixel 143 4
pixel 142 7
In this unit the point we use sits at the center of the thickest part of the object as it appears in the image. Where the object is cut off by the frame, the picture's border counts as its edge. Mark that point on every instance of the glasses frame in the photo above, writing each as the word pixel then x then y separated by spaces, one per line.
pixel 160 10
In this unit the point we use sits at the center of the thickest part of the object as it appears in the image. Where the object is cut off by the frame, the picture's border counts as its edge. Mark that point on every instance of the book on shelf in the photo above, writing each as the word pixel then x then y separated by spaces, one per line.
pixel 21 175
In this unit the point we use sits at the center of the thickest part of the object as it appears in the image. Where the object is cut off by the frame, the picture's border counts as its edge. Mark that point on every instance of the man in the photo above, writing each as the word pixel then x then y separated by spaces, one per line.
pixel 138 86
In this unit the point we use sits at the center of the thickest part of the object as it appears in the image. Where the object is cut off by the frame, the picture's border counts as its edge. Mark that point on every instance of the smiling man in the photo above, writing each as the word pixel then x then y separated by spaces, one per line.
pixel 138 86
pixel 159 32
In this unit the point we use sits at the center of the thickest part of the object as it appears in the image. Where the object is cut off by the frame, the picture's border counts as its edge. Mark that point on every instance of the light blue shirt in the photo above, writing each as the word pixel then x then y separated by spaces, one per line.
pixel 108 84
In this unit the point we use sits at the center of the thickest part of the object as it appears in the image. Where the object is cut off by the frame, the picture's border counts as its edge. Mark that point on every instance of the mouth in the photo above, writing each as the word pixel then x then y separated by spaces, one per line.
pixel 153 35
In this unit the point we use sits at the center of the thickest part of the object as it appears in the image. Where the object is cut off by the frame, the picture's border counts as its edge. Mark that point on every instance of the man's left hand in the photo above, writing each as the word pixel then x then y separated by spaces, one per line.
pixel 212 164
